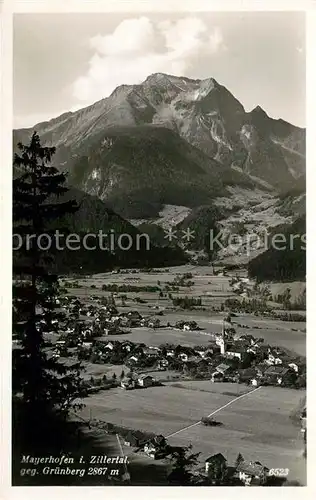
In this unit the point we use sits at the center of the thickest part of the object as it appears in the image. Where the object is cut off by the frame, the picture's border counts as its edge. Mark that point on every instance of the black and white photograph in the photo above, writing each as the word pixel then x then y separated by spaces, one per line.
pixel 159 248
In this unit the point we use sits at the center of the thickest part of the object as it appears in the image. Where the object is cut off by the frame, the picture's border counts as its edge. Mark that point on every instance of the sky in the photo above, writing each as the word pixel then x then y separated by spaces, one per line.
pixel 65 62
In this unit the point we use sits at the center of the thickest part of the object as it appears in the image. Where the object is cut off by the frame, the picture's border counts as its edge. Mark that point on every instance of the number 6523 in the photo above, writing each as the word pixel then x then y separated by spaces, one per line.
pixel 279 472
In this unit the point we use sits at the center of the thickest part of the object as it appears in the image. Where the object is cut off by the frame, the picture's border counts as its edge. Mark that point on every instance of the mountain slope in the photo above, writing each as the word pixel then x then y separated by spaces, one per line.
pixel 203 112
pixel 93 217
pixel 138 170
pixel 286 264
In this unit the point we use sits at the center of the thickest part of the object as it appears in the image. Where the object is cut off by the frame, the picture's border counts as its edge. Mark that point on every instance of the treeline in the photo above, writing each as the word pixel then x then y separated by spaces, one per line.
pixel 283 265
pixel 187 302
pixel 129 288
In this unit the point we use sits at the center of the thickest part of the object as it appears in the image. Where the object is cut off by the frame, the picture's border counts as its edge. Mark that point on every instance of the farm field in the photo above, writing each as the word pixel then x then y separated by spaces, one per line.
pixel 257 425
pixel 213 290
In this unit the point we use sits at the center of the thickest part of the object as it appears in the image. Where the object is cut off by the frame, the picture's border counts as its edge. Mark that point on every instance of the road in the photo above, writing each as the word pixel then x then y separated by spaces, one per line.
pixel 214 412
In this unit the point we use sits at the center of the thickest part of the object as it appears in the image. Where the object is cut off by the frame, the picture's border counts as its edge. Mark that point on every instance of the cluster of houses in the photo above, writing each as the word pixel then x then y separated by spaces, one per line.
pixel 133 380
pixel 245 359
pixel 248 473
pixel 215 468
pixel 227 357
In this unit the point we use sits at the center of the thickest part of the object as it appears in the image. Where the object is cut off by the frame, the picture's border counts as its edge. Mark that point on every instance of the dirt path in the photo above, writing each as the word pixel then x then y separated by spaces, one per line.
pixel 214 412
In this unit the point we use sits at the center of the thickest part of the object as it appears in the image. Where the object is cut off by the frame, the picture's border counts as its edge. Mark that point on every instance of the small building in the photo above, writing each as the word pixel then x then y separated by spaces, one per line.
pixel 183 356
pixel 274 359
pixel 249 339
pixel 170 352
pixel 155 447
pixel 126 346
pixel 246 375
pixel 86 345
pixel 260 369
pixel 133 438
pixel 275 374
pixel 223 368
pixel 219 373
pixel 109 345
pixel 127 383
pixel 145 380
pixel 294 366
pixel 163 364
pixel 252 473
pixel 150 352
pixel 236 349
pixel 218 460
pixel 153 323
pixel 134 359
pixel 186 325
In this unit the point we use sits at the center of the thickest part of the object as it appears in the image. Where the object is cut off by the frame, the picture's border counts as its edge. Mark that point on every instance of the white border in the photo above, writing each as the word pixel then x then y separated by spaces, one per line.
pixel 29 6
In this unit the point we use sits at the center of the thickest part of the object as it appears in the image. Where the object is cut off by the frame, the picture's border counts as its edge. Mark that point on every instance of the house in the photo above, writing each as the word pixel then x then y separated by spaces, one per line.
pixel 200 351
pixel 260 369
pixel 133 359
pixel 236 350
pixel 223 368
pixel 183 356
pixel 252 473
pixel 170 352
pixel 273 358
pixel 126 346
pixel 127 383
pixel 150 352
pixel 275 374
pixel 163 364
pixel 193 359
pixel 186 325
pixel 134 315
pixel 263 350
pixel 109 345
pixel 246 375
pixel 294 366
pixel 145 380
pixel 218 461
pixel 217 377
pixel 219 373
pixel 60 343
pixel 133 438
pixel 151 322
pixel 87 345
pixel 208 353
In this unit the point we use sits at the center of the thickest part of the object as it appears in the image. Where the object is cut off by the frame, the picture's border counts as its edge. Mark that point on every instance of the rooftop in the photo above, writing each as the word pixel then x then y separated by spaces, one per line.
pixel 251 468
pixel 217 456
pixel 276 370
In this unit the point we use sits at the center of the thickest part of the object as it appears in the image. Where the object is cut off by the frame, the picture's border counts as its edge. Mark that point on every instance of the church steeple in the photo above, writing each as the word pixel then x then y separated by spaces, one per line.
pixel 223 339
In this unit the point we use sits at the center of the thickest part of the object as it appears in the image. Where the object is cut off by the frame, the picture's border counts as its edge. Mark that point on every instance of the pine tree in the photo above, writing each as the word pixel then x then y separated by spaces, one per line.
pixel 43 388
pixel 182 461
pixel 239 459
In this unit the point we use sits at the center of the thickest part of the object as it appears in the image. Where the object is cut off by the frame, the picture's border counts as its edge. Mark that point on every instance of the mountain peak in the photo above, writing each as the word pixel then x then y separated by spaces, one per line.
pixel 212 81
pixel 157 78
pixel 258 110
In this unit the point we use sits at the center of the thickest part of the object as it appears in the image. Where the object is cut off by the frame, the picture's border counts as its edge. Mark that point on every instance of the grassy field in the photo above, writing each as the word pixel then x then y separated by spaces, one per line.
pixel 257 425
pixel 213 290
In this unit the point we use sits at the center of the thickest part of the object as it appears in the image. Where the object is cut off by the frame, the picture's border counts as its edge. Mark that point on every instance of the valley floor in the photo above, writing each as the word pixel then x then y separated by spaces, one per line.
pixel 256 422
